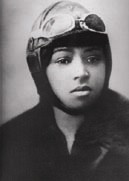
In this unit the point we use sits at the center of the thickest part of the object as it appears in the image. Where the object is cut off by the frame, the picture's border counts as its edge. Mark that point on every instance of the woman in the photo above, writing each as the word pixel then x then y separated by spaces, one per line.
pixel 79 130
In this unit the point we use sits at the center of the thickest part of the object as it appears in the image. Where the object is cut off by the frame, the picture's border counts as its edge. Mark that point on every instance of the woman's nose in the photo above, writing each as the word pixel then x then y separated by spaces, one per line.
pixel 80 69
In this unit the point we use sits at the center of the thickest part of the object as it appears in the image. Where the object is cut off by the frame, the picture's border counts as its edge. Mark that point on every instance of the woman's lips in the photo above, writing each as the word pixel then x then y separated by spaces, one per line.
pixel 81 90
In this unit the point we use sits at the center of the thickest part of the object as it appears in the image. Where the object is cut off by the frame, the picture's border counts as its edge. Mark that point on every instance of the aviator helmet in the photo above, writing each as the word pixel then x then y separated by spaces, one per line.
pixel 54 26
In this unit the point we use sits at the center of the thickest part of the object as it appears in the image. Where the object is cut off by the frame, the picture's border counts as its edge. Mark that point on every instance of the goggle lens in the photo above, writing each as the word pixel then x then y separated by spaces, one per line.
pixel 94 22
pixel 57 25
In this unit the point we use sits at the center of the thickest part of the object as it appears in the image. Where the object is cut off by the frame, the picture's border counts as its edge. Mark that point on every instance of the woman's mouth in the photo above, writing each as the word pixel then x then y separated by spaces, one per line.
pixel 81 91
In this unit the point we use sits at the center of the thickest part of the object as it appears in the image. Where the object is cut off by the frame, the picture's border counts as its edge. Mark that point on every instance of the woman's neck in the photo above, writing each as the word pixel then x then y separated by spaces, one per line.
pixel 68 124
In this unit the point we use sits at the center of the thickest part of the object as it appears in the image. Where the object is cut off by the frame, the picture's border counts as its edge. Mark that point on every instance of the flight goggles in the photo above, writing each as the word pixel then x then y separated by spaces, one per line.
pixel 62 24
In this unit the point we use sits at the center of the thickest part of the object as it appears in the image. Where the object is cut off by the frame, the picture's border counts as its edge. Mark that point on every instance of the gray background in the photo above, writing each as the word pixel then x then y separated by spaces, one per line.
pixel 18 90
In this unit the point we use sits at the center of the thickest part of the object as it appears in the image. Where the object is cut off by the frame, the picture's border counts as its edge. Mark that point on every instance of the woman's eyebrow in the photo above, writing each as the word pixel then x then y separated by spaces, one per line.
pixel 62 49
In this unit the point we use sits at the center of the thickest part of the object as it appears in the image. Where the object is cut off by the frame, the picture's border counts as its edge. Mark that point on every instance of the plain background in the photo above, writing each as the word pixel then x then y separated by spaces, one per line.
pixel 18 89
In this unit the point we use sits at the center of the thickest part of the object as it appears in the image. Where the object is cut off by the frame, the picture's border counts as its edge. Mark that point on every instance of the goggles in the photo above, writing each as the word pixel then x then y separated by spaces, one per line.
pixel 63 23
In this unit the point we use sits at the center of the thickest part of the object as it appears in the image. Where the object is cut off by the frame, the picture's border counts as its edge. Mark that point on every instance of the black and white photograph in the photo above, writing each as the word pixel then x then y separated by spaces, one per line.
pixel 64 90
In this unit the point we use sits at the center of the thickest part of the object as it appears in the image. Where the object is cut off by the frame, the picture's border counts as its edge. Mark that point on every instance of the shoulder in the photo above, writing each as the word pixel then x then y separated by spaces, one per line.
pixel 117 98
pixel 118 121
pixel 115 111
pixel 35 115
pixel 25 126
pixel 117 105
pixel 23 119
pixel 113 121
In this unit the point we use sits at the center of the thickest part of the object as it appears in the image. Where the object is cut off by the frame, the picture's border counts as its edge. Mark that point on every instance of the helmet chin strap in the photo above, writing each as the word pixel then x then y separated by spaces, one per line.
pixel 57 103
pixel 86 109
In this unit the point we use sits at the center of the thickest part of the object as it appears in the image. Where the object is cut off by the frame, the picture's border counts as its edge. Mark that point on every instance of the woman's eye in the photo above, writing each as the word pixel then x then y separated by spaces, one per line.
pixel 93 59
pixel 63 61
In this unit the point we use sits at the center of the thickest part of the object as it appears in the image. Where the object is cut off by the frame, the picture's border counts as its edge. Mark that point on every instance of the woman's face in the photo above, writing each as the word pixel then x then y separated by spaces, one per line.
pixel 77 75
